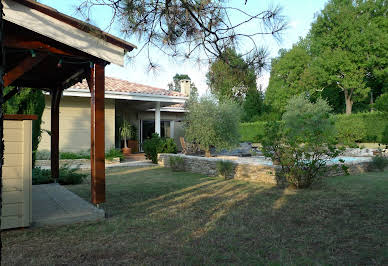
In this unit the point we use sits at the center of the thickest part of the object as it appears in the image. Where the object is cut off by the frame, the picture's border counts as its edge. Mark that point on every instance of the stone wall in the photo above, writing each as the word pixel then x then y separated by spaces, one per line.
pixel 208 166
pixel 246 171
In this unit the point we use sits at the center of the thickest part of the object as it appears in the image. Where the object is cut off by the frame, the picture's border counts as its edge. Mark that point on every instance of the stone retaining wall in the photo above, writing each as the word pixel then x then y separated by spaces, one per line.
pixel 208 166
pixel 245 171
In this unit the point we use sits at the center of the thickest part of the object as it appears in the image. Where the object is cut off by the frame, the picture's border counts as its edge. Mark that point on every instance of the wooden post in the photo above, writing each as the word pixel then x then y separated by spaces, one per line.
pixel 54 151
pixel 97 134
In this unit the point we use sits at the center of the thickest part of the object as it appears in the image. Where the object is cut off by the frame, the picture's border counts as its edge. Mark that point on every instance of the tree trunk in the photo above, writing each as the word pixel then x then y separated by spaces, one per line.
pixel 348 102
pixel 125 142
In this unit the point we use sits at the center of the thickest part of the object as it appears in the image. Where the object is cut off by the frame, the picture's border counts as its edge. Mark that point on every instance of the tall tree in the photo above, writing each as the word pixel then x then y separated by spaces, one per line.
pixel 286 76
pixel 198 29
pixel 349 42
pixel 230 76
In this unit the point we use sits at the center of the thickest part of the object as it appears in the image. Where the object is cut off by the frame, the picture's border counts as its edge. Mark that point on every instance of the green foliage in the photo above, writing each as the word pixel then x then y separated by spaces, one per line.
pixel 30 102
pixel 224 168
pixel 176 163
pixel 230 77
pixel 382 103
pixel 213 123
pixel 375 124
pixel 156 145
pixel 127 131
pixel 113 153
pixel 384 137
pixel 305 120
pixel 379 162
pixel 303 143
pixel 342 59
pixel 74 155
pixel 286 77
pixel 251 132
pixel 350 129
pixel 252 105
pixel 67 176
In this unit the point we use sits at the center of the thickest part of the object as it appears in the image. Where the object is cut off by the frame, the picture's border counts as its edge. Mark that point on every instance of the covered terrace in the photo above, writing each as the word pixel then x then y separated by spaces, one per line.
pixel 47 50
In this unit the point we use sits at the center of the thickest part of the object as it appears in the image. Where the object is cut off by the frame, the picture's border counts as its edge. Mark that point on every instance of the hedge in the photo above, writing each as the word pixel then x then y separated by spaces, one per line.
pixel 375 124
pixel 250 131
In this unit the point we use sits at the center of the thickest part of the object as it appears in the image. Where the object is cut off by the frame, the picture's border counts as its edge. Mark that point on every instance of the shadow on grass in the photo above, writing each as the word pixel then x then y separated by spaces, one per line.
pixel 162 217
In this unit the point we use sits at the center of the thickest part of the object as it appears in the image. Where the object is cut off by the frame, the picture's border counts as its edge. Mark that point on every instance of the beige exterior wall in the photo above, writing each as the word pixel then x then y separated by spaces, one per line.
pixel 17 174
pixel 74 124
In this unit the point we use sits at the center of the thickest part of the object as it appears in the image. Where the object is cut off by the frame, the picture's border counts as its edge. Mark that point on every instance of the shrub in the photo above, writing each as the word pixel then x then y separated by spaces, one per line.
pixel 379 162
pixel 74 155
pixel 213 123
pixel 176 163
pixel 382 102
pixel 224 168
pixel 156 145
pixel 113 153
pixel 167 145
pixel 303 142
pixel 42 155
pixel 67 176
pixel 350 130
pixel 41 176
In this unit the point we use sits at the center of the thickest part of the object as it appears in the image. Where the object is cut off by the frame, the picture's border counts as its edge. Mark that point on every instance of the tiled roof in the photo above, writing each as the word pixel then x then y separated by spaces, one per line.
pixel 119 85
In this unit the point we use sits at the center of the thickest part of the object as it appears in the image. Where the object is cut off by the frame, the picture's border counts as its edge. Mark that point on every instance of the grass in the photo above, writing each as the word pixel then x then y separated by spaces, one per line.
pixel 156 216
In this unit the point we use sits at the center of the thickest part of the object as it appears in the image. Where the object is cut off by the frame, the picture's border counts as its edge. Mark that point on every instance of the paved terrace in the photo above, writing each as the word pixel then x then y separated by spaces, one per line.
pixel 53 204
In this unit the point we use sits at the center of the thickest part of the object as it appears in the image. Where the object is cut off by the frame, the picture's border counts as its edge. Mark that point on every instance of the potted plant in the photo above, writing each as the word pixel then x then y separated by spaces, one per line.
pixel 132 142
pixel 126 131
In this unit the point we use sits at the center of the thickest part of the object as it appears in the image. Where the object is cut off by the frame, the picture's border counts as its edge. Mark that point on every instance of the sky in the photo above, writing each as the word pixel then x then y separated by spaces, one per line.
pixel 299 14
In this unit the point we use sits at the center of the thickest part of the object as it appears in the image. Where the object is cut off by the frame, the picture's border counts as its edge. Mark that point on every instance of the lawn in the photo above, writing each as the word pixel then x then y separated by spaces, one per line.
pixel 156 216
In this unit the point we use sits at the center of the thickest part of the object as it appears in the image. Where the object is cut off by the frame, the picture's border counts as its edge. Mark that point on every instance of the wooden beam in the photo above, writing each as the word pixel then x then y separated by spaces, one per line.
pixel 26 65
pixel 98 135
pixel 33 45
pixel 54 151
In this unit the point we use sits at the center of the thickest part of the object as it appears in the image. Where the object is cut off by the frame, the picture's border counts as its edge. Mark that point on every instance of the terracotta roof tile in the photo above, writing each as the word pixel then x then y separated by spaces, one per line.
pixel 119 85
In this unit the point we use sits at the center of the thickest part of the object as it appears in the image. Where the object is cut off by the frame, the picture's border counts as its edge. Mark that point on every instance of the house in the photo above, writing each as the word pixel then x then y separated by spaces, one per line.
pixel 148 108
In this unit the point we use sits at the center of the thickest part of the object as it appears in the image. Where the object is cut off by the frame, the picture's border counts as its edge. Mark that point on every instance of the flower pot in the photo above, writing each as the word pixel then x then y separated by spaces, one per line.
pixel 126 151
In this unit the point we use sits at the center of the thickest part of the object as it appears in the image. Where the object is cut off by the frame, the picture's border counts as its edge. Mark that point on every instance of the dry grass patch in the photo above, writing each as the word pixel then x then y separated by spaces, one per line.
pixel 156 216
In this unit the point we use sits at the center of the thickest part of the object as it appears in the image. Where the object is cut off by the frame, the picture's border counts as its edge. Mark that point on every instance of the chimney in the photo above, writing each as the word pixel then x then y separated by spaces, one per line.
pixel 185 86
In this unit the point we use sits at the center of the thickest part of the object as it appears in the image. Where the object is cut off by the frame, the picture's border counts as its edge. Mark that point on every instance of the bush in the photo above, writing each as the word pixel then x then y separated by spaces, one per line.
pixel 250 131
pixel 156 145
pixel 303 143
pixel 67 176
pixel 224 168
pixel 350 129
pixel 113 153
pixel 74 155
pixel 176 163
pixel 379 162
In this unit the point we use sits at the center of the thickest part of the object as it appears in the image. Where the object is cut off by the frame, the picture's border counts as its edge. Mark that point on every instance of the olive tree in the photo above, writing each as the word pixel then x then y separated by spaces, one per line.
pixel 212 124
pixel 303 142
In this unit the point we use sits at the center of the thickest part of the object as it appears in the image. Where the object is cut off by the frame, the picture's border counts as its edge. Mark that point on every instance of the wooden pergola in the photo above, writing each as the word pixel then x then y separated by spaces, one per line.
pixel 47 50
